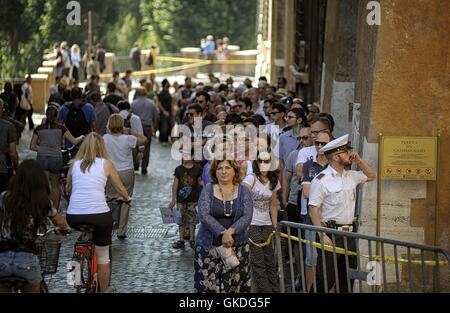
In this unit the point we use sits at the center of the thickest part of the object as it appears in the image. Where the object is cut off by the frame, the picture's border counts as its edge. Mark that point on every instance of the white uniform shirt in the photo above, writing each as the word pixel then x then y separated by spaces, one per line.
pixel 335 194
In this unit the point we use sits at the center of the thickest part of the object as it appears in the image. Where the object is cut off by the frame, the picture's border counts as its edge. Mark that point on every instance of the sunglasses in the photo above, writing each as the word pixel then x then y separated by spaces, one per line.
pixel 320 144
pixel 319 131
pixel 264 161
pixel 190 114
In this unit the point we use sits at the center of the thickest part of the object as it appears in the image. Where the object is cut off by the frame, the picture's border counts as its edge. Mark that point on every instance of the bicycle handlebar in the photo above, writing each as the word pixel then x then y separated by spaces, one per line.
pixel 56 231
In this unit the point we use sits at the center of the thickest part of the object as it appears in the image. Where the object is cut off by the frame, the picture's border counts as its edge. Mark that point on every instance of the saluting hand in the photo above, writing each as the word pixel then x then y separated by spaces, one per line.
pixel 355 158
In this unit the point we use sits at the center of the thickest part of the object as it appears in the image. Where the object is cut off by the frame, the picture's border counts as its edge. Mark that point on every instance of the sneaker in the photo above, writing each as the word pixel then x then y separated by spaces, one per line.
pixel 144 172
pixel 178 244
pixel 192 244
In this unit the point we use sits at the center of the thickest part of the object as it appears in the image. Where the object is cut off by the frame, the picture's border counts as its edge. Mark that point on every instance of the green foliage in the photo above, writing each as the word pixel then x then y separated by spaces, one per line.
pixel 235 19
pixel 29 28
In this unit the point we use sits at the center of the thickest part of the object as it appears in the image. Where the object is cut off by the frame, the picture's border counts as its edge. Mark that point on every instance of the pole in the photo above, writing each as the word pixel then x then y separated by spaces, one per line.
pixel 380 163
pixel 379 180
pixel 438 185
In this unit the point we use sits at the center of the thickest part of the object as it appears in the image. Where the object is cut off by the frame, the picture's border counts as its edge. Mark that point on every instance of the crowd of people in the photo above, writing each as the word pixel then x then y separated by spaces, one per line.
pixel 237 200
pixel 299 172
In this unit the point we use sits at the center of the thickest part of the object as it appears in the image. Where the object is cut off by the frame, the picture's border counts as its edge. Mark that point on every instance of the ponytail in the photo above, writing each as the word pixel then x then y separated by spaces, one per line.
pixel 51 113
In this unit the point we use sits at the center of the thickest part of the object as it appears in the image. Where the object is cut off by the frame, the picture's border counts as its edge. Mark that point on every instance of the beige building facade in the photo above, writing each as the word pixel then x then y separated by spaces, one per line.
pixel 392 78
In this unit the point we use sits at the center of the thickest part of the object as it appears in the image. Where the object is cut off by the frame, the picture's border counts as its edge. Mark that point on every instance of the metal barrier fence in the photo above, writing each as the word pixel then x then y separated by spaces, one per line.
pixel 358 263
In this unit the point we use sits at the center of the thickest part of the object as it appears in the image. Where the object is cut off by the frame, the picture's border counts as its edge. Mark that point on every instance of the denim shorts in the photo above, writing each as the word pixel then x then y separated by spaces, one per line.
pixel 50 164
pixel 21 264
pixel 311 251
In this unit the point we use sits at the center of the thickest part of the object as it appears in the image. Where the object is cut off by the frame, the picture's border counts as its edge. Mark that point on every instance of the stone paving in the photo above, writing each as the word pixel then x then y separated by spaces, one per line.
pixel 145 262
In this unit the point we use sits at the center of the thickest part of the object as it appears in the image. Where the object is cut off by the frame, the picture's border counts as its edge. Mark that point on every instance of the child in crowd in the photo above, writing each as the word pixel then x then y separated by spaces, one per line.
pixel 186 190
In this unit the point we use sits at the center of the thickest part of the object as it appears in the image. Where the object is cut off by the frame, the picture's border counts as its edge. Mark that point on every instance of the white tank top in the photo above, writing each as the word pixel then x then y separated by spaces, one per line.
pixel 88 190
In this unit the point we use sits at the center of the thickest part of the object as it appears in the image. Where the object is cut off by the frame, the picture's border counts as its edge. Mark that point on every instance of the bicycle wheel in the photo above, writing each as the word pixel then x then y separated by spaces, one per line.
pixel 81 277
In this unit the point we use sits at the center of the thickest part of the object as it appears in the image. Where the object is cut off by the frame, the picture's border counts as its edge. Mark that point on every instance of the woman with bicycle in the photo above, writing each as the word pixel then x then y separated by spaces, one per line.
pixel 86 182
pixel 120 143
pixel 47 141
pixel 24 211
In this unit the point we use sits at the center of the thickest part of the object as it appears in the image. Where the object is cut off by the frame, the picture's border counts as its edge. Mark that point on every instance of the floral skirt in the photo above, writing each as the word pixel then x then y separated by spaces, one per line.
pixel 212 277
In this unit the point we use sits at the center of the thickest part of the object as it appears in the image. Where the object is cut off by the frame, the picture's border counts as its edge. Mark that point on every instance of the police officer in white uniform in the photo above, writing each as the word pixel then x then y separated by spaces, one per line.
pixel 332 202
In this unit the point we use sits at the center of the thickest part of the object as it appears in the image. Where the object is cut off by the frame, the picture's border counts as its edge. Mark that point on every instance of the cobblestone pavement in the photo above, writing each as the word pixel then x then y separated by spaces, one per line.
pixel 145 262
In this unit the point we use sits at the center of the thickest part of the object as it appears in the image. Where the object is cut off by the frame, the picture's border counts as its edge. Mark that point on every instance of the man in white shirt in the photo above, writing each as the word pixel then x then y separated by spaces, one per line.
pixel 332 201
pixel 318 125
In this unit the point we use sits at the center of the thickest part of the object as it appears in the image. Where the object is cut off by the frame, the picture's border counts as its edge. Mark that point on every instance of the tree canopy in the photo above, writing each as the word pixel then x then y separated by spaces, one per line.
pixel 29 28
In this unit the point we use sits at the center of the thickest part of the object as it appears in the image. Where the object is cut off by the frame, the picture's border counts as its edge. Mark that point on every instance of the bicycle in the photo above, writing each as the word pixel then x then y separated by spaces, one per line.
pixel 84 262
pixel 47 250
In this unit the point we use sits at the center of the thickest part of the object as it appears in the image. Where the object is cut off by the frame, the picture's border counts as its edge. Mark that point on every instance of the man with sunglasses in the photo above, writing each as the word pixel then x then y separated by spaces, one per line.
pixel 318 125
pixel 277 115
pixel 310 170
pixel 203 99
pixel 332 201
pixel 243 105
pixel 289 141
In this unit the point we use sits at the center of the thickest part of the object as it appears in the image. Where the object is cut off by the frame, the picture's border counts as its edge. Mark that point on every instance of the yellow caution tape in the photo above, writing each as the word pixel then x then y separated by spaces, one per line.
pixel 162 70
pixel 189 60
pixel 350 253
pixel 195 63
pixel 178 59
pixel 264 244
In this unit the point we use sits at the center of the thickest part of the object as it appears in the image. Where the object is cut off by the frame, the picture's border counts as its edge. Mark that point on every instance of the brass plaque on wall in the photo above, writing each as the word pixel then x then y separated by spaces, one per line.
pixel 409 158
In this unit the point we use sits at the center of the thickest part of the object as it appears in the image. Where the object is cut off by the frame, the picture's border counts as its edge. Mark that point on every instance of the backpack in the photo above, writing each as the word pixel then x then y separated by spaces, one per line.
pixel 127 122
pixel 76 121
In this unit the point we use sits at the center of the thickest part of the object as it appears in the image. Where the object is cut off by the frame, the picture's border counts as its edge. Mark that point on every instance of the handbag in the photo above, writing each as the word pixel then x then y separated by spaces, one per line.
pixel 171 216
pixel 228 256
pixel 25 104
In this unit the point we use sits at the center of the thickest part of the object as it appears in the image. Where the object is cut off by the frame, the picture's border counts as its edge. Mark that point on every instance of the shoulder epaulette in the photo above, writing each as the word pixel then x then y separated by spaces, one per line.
pixel 320 176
